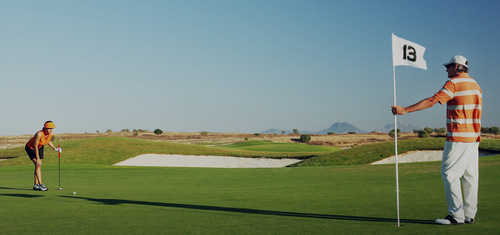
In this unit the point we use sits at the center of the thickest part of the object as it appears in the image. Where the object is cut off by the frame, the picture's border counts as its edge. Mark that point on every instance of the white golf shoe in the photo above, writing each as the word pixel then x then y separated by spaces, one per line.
pixel 449 220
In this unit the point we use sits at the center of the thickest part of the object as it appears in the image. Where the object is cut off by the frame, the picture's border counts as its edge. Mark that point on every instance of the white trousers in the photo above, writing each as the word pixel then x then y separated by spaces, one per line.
pixel 459 169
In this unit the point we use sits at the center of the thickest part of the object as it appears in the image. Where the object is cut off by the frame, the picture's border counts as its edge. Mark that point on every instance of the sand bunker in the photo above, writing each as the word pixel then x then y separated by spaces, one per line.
pixel 163 160
pixel 421 156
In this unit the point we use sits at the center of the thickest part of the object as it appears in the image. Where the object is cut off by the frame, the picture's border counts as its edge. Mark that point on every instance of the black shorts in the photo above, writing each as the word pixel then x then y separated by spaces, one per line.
pixel 31 152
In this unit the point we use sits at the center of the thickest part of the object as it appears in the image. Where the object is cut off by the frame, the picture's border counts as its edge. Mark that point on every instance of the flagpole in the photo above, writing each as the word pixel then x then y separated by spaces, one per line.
pixel 406 53
pixel 396 142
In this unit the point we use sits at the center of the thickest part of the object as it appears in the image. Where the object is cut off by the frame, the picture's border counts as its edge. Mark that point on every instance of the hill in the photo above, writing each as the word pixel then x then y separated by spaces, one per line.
pixel 345 127
pixel 341 128
pixel 404 127
pixel 337 128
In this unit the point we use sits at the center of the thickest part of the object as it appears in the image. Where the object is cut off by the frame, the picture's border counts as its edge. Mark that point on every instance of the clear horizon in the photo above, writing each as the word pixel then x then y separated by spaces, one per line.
pixel 234 66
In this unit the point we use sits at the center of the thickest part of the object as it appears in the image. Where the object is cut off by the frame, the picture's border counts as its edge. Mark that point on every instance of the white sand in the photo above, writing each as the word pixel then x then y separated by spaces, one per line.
pixel 163 160
pixel 421 156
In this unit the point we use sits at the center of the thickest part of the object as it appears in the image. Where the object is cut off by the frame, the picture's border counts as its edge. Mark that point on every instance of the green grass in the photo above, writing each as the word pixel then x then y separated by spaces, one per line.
pixel 108 151
pixel 345 199
pixel 367 154
pixel 267 146
pixel 308 200
pixel 111 150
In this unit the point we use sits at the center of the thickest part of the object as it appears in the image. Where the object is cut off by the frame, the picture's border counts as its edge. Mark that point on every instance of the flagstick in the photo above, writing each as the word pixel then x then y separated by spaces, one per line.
pixel 396 142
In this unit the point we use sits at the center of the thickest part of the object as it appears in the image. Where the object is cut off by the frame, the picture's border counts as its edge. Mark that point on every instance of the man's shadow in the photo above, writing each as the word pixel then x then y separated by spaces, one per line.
pixel 114 202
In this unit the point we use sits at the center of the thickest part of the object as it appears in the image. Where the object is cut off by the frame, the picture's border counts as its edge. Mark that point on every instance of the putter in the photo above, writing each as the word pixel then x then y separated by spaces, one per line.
pixel 59 154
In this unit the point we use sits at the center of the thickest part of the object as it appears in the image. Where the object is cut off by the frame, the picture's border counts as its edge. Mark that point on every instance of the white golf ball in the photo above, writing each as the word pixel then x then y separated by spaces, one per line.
pixel 74 193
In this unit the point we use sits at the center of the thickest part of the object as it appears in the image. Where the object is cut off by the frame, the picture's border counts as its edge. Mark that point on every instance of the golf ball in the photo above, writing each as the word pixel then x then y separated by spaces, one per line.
pixel 74 193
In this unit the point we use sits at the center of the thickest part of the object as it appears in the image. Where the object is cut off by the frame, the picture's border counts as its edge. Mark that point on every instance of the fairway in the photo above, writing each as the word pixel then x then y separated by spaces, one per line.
pixel 308 200
pixel 256 145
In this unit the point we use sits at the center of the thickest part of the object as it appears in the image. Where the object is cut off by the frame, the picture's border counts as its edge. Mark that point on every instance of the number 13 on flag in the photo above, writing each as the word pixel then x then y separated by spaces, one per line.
pixel 407 53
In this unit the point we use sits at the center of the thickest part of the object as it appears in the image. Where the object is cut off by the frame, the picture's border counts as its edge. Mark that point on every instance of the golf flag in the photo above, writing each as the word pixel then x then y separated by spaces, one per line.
pixel 407 53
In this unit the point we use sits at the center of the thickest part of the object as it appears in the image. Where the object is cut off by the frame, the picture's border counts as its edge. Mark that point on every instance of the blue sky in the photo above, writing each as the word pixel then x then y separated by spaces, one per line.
pixel 234 66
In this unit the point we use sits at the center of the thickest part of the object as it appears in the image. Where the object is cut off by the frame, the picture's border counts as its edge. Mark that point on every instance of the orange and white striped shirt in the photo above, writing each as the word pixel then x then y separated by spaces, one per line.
pixel 464 100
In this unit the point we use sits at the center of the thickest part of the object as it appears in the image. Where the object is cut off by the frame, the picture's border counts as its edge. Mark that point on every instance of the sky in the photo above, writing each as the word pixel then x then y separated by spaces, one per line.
pixel 234 66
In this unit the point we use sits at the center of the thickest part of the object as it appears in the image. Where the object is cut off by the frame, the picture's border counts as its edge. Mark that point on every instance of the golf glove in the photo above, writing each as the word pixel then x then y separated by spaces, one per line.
pixel 58 150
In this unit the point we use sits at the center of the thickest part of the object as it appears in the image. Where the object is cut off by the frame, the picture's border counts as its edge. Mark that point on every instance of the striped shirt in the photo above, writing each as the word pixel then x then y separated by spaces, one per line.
pixel 464 99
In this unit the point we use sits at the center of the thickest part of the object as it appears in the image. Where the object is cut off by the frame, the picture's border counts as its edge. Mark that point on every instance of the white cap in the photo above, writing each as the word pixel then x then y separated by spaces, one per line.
pixel 458 59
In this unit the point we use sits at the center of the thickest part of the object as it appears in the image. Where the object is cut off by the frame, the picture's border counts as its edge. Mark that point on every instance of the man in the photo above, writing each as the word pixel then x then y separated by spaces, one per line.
pixel 459 166
pixel 34 149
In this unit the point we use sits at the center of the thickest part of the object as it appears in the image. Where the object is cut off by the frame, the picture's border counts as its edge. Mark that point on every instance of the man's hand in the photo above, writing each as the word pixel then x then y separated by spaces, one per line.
pixel 398 110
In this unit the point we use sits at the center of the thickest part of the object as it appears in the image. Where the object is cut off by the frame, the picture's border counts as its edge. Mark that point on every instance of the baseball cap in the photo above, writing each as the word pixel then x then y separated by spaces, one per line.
pixel 458 59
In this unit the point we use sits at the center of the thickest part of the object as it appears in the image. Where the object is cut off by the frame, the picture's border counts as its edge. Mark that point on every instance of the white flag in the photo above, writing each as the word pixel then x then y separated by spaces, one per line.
pixel 407 53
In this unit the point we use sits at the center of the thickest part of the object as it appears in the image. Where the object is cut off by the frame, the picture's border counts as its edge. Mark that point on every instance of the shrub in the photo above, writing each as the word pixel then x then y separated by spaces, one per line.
pixel 391 134
pixel 158 131
pixel 305 138
pixel 423 134
pixel 493 130
pixel 428 130
pixel 440 131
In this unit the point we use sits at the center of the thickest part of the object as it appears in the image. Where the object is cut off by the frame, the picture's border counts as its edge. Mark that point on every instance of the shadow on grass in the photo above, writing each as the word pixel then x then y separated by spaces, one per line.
pixel 115 202
pixel 24 189
pixel 20 195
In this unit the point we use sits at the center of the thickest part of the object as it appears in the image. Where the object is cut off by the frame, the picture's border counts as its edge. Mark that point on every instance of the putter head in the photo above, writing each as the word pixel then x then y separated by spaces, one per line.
pixel 59 188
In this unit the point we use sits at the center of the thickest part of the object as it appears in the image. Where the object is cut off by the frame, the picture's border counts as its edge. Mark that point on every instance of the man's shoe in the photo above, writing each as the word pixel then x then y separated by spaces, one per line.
pixel 36 187
pixel 449 220
pixel 469 220
pixel 43 188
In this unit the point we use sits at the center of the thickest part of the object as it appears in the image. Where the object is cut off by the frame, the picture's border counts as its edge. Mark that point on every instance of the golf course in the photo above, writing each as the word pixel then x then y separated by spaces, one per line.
pixel 332 191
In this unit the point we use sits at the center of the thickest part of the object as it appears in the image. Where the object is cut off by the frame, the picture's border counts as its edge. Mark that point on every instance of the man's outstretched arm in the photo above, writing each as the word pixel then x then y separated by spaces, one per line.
pixel 424 104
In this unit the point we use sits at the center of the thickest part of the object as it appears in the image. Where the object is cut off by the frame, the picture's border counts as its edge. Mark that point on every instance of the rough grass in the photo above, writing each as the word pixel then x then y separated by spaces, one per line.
pixel 367 154
pixel 267 146
pixel 111 150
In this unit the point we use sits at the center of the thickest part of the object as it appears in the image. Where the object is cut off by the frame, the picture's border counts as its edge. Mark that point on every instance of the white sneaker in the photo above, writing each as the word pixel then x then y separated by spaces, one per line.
pixel 448 220
pixel 469 220
pixel 42 187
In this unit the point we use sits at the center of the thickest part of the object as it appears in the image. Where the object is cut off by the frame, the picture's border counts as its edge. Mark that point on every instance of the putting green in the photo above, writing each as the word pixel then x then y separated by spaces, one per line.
pixel 308 200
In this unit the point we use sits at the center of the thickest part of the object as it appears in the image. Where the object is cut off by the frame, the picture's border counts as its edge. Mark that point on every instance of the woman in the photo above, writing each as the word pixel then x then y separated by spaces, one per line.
pixel 34 148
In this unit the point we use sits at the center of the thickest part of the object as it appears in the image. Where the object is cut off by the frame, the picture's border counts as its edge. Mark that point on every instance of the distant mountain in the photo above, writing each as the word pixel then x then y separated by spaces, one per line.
pixel 404 127
pixel 345 127
pixel 340 128
pixel 279 131
pixel 337 128
pixel 273 131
